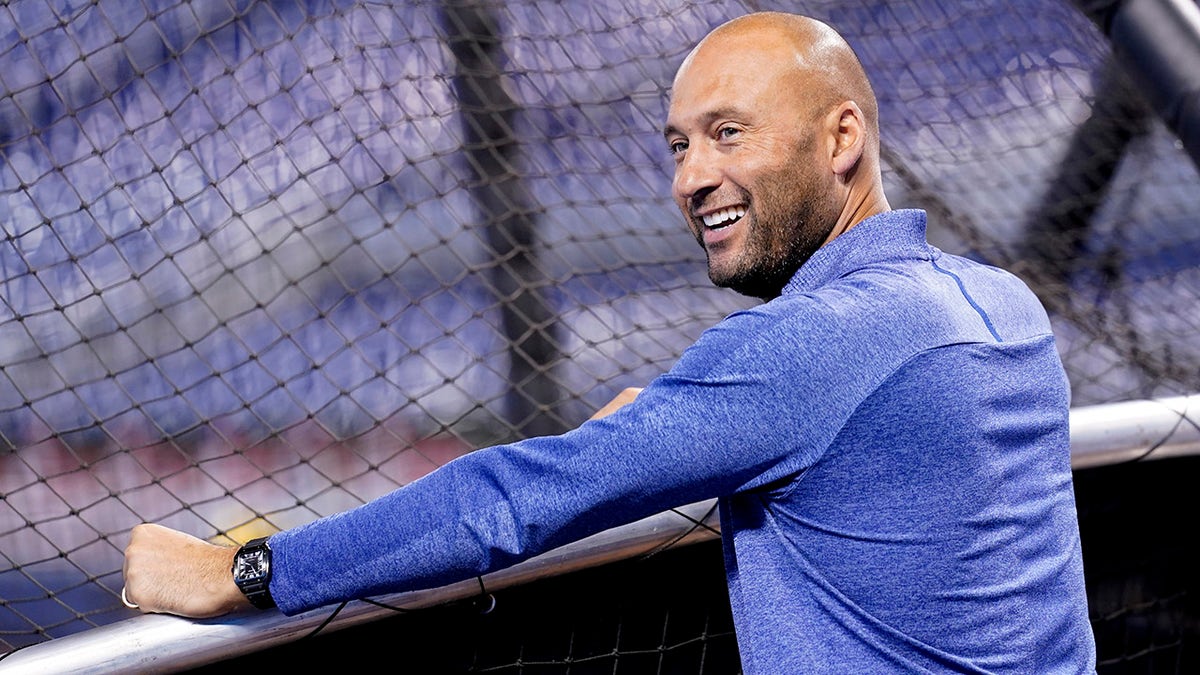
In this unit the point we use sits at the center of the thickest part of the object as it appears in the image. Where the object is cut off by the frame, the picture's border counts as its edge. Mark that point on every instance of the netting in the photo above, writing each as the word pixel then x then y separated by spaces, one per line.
pixel 264 261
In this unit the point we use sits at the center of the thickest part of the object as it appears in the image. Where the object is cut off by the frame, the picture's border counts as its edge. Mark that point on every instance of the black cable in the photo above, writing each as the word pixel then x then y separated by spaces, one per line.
pixel 325 623
pixel 696 525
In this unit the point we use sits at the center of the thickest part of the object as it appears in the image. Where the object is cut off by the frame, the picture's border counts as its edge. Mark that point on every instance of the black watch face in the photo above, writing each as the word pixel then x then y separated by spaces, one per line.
pixel 251 565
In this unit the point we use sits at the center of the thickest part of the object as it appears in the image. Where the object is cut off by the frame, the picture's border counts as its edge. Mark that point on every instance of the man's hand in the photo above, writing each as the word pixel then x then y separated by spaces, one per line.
pixel 621 399
pixel 175 573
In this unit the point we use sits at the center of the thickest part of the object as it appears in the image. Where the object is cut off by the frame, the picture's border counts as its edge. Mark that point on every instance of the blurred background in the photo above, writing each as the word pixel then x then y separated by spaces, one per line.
pixel 264 261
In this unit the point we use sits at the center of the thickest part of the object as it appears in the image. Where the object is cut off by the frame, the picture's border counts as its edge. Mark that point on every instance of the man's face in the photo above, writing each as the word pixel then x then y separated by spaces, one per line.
pixel 748 174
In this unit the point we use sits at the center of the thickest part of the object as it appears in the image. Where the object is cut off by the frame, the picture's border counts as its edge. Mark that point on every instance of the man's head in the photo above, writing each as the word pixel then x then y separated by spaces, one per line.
pixel 773 127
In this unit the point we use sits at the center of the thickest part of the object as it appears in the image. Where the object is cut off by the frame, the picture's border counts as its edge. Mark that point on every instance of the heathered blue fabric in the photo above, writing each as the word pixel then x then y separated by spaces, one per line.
pixel 889 443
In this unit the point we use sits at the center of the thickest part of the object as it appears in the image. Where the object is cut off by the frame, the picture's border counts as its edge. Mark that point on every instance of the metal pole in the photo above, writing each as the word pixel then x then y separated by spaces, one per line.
pixel 1158 41
pixel 1100 435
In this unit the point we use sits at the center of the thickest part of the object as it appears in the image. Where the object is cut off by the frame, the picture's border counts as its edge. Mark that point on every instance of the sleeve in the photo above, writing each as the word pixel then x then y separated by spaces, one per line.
pixel 754 401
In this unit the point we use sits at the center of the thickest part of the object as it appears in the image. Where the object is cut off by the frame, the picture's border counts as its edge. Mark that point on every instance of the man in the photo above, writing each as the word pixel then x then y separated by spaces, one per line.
pixel 887 434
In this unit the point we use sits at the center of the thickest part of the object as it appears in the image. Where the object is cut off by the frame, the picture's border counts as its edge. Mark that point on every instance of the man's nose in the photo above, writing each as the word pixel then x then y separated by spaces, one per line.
pixel 697 174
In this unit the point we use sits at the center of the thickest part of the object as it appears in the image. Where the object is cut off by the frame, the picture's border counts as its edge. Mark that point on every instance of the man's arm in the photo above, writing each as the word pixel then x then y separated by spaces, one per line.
pixel 171 572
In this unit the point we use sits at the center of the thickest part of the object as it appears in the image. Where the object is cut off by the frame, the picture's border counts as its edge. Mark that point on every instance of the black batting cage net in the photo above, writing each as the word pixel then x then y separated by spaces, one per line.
pixel 261 262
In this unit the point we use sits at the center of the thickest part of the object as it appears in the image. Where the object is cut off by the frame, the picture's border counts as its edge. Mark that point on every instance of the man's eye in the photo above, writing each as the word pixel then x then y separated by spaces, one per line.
pixel 728 132
pixel 678 147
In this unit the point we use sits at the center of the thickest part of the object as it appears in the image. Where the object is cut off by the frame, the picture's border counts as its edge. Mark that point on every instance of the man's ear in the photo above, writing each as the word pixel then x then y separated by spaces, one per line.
pixel 849 137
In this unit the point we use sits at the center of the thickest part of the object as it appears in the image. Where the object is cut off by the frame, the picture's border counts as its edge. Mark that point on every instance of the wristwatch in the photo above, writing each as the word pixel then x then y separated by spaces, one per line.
pixel 252 572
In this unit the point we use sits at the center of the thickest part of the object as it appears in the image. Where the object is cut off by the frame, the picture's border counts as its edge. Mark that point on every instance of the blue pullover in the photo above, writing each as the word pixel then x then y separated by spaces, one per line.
pixel 888 441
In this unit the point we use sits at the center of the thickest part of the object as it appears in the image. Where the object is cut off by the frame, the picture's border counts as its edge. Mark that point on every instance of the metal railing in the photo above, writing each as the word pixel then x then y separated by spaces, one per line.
pixel 1100 435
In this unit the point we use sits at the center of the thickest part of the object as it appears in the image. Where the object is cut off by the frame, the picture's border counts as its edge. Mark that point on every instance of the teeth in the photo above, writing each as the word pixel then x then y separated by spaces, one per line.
pixel 724 216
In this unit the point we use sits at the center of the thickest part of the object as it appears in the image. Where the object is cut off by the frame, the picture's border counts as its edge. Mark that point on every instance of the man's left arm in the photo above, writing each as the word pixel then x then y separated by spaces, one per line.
pixel 172 572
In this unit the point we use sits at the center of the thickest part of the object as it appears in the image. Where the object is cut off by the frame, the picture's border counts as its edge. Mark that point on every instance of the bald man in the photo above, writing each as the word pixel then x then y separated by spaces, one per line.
pixel 886 434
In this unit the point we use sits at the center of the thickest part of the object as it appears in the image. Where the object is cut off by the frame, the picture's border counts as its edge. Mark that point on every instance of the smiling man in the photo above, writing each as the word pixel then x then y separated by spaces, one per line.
pixel 887 434
pixel 774 155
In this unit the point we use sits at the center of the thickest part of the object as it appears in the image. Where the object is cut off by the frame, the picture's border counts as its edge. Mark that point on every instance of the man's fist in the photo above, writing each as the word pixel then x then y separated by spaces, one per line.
pixel 626 396
pixel 175 573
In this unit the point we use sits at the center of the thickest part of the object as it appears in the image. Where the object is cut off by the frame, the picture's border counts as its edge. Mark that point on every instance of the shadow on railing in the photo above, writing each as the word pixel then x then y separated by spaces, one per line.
pixel 1100 435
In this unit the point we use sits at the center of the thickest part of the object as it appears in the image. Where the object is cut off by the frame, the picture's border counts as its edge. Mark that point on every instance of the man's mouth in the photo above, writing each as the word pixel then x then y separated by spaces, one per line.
pixel 723 218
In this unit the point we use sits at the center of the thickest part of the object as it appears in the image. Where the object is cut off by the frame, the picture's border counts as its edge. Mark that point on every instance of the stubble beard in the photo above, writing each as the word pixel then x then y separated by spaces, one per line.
pixel 784 234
